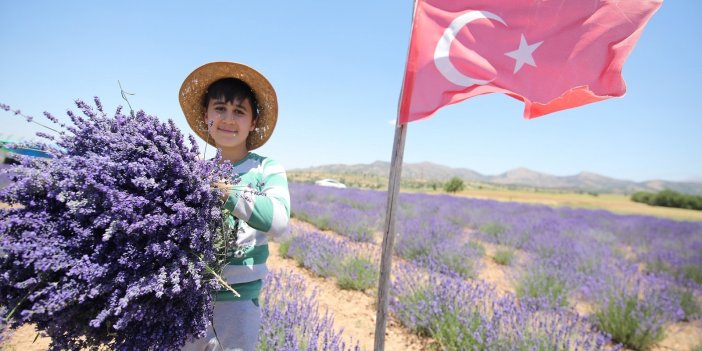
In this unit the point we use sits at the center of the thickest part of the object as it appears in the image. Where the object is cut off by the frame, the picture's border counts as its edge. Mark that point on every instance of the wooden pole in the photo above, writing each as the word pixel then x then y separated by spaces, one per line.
pixel 398 150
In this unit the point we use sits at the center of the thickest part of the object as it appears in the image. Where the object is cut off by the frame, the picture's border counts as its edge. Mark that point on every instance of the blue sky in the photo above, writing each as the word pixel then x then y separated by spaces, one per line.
pixel 337 67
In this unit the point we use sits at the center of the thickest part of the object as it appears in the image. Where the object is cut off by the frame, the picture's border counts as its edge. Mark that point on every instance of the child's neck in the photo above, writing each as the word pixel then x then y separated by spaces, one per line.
pixel 234 155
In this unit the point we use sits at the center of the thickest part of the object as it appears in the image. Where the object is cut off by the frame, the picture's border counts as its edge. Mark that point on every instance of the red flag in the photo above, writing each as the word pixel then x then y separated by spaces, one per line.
pixel 551 54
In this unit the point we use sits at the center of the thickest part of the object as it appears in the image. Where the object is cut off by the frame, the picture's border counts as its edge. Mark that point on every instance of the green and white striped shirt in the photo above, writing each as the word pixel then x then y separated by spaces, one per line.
pixel 260 201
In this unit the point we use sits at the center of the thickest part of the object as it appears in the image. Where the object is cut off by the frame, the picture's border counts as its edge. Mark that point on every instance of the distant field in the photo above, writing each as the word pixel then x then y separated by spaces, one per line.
pixel 611 202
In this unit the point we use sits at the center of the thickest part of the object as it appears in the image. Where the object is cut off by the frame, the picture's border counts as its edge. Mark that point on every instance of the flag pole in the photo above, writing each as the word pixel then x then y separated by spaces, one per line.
pixel 398 151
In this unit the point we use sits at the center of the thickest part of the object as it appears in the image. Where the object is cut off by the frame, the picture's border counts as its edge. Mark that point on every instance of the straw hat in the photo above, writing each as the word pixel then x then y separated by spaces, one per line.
pixel 196 84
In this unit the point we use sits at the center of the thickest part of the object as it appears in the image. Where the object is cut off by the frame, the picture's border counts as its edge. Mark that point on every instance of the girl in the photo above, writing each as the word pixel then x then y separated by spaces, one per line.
pixel 234 108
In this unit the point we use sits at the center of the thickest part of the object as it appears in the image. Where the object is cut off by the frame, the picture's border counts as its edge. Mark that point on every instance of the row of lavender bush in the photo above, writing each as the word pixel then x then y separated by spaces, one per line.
pixel 291 318
pixel 354 267
pixel 638 272
pixel 469 315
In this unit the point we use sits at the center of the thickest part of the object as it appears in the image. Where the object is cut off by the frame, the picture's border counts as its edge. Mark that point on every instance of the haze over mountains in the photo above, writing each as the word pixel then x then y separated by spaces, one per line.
pixel 583 181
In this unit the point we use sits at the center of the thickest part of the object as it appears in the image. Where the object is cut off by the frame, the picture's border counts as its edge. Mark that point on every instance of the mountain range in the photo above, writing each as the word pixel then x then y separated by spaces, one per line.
pixel 519 177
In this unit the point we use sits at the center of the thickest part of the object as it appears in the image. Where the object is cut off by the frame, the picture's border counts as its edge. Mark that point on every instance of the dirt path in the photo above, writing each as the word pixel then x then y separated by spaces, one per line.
pixel 23 340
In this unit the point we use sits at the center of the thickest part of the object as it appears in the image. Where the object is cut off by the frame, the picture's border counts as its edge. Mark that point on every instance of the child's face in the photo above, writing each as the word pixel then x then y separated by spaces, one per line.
pixel 229 123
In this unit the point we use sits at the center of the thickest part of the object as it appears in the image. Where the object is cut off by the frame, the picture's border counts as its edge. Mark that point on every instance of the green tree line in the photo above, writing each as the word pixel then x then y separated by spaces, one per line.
pixel 668 198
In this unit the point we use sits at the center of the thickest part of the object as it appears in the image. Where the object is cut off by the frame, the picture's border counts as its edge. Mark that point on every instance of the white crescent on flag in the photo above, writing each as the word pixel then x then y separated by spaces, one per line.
pixel 441 53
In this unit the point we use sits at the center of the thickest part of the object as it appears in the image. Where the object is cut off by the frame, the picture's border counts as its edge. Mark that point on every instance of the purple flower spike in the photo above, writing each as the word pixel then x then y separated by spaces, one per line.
pixel 51 117
pixel 98 104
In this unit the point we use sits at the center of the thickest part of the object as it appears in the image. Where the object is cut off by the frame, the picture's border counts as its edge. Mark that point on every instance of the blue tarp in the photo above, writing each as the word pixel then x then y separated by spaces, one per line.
pixel 26 151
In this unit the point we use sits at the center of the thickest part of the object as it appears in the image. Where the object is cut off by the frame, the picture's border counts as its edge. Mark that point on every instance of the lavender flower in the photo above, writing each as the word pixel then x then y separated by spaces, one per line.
pixel 634 309
pixel 291 319
pixel 354 267
pixel 334 210
pixel 51 117
pixel 318 253
pixel 461 315
pixel 110 242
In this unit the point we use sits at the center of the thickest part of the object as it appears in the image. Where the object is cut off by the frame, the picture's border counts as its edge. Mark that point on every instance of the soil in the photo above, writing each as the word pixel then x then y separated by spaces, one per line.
pixel 23 339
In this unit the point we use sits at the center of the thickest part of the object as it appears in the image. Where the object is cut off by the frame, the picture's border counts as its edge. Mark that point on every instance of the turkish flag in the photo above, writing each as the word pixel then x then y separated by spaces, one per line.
pixel 551 54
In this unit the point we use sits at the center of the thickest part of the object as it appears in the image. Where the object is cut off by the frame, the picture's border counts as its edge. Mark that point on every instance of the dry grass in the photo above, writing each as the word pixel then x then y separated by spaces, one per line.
pixel 610 202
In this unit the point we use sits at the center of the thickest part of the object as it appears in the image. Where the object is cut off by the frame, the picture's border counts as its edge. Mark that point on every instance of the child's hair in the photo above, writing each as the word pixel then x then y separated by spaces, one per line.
pixel 231 90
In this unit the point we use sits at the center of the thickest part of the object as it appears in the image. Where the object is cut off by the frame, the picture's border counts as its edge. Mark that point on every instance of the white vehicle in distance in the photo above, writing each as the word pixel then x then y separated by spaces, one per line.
pixel 330 183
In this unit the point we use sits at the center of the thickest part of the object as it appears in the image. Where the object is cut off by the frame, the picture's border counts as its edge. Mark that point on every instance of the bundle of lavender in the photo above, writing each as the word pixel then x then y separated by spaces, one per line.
pixel 108 243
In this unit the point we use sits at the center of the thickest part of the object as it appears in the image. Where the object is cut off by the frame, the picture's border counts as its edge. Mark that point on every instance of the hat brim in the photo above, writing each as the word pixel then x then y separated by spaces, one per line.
pixel 196 84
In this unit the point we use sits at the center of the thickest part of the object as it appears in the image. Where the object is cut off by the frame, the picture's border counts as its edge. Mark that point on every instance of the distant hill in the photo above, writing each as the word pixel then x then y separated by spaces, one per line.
pixel 519 177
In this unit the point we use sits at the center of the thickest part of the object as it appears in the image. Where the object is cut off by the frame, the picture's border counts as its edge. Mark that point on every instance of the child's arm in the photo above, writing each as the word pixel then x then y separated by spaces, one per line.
pixel 267 210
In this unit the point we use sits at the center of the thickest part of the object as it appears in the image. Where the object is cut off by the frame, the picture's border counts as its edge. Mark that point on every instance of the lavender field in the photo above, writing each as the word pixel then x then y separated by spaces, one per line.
pixel 482 275
pixel 569 279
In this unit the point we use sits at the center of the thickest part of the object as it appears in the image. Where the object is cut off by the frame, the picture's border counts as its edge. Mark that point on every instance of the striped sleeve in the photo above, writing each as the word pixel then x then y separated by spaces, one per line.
pixel 266 209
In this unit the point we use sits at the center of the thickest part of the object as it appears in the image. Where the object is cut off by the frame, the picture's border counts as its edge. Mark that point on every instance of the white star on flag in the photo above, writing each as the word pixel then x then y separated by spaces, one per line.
pixel 523 54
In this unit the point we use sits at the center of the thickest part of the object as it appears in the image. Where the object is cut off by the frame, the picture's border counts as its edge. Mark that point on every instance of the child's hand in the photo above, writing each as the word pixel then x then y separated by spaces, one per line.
pixel 224 186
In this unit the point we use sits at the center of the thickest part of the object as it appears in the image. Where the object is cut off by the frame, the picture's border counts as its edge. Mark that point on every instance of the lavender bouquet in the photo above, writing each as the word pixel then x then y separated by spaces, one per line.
pixel 108 243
